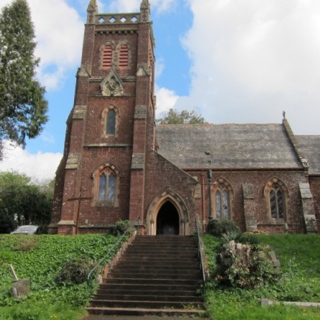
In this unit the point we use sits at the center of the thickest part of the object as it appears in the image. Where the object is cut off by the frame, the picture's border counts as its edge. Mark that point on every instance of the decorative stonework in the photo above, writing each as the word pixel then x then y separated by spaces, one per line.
pixel 143 70
pixel 138 161
pixel 73 161
pixel 168 195
pixel 83 71
pixel 95 190
pixel 140 112
pixel 112 85
pixel 79 112
pixel 279 182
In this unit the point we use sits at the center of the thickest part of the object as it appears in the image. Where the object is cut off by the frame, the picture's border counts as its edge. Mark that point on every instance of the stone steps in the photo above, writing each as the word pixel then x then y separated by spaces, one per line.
pixel 157 275
pixel 141 312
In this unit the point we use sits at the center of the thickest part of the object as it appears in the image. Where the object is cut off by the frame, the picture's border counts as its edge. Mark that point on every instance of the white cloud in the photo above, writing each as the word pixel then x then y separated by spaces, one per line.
pixel 134 5
pixel 253 59
pixel 41 167
pixel 59 32
pixel 166 99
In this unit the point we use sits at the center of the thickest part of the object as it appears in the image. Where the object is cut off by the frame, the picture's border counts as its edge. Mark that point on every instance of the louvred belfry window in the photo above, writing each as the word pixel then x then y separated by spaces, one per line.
pixel 124 56
pixel 107 57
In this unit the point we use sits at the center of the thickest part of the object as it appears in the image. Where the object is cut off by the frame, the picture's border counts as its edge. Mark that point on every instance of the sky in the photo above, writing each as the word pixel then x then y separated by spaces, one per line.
pixel 233 61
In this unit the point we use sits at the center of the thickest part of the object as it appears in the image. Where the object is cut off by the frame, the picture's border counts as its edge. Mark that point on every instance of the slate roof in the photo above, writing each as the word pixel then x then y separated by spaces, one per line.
pixel 238 146
pixel 310 147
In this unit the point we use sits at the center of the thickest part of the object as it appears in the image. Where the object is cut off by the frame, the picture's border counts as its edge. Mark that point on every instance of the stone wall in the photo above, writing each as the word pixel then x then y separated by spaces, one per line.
pixel 315 189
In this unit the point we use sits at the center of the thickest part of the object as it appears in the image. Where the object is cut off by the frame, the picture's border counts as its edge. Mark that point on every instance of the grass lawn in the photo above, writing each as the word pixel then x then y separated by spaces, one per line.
pixel 299 256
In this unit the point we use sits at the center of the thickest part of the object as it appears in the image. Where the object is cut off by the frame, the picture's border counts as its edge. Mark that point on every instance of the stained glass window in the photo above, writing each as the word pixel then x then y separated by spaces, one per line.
pixel 111 122
pixel 107 186
pixel 225 199
pixel 111 188
pixel 222 203
pixel 276 202
pixel 218 204
pixel 102 187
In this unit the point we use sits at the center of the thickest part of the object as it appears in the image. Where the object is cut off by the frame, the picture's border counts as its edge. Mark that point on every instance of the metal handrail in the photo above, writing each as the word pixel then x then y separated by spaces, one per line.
pixel 200 246
pixel 109 251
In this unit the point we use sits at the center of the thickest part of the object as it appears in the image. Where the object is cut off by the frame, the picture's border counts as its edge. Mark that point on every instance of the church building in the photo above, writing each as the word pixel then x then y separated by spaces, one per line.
pixel 118 165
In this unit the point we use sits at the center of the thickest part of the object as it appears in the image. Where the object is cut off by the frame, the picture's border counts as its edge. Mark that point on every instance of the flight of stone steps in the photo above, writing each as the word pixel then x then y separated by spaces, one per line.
pixel 157 275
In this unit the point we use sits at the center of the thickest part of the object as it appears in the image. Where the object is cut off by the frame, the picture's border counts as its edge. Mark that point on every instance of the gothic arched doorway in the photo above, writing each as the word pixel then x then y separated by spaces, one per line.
pixel 168 220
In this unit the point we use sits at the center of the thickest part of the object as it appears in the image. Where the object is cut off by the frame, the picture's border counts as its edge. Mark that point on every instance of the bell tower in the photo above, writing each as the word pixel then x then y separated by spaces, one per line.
pixel 101 178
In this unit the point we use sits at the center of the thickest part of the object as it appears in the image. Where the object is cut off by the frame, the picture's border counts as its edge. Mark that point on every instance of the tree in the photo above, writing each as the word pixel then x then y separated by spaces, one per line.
pixel 184 117
pixel 22 202
pixel 23 108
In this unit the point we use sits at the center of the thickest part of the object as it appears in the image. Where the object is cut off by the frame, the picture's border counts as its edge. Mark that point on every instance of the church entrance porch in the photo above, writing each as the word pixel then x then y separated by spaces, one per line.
pixel 167 215
pixel 168 220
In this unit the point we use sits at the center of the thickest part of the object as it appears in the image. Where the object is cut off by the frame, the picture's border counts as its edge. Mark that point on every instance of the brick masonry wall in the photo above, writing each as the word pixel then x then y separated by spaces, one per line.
pixel 163 175
pixel 260 205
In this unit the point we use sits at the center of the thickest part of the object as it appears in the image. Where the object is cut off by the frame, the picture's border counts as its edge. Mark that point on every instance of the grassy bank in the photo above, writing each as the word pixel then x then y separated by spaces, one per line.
pixel 40 259
pixel 299 256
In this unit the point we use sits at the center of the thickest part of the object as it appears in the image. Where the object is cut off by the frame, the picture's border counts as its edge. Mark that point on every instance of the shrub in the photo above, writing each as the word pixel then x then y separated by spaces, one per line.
pixel 232 235
pixel 119 228
pixel 245 266
pixel 217 227
pixel 240 237
pixel 25 243
pixel 75 271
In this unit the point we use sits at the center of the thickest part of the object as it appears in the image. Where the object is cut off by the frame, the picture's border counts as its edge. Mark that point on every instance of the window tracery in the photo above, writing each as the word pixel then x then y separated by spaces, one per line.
pixel 276 202
pixel 277 195
pixel 110 121
pixel 106 186
pixel 222 203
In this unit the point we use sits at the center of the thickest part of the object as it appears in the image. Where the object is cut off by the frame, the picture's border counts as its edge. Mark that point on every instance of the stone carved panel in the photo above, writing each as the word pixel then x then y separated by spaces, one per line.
pixel 112 85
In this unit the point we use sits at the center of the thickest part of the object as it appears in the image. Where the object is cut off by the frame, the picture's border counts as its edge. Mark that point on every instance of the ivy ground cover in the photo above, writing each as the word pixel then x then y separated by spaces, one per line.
pixel 40 259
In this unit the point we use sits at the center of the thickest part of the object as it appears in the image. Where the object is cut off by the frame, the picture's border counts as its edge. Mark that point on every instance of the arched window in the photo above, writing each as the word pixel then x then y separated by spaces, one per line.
pixel 107 57
pixel 124 56
pixel 110 119
pixel 222 206
pixel 276 202
pixel 107 186
pixel 111 122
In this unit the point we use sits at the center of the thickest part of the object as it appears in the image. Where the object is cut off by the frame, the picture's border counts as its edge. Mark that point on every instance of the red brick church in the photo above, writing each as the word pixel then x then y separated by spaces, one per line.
pixel 118 165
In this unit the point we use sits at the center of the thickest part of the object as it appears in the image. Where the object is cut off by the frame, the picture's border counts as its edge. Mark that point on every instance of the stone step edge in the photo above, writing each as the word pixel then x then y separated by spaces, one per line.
pixel 138 301
pixel 146 311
